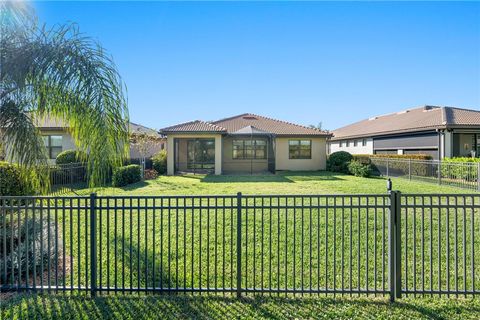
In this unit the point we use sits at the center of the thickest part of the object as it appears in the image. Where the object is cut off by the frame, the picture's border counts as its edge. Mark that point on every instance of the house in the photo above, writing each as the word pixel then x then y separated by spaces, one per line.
pixel 436 131
pixel 246 143
pixel 57 138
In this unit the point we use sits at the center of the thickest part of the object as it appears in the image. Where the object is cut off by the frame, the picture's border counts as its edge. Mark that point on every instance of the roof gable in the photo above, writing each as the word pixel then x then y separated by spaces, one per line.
pixel 265 124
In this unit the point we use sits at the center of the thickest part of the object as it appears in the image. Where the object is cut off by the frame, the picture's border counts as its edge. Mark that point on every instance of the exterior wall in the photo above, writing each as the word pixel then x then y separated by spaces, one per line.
pixel 154 149
pixel 67 140
pixel 231 165
pixel 171 147
pixel 317 162
pixel 334 146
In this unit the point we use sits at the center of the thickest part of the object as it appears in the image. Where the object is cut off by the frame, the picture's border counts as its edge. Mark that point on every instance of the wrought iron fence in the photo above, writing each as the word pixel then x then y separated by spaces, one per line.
pixel 65 177
pixel 458 174
pixel 377 244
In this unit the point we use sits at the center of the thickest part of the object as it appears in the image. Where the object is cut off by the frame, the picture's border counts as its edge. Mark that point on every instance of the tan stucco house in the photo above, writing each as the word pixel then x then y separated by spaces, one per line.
pixel 245 143
pixel 57 138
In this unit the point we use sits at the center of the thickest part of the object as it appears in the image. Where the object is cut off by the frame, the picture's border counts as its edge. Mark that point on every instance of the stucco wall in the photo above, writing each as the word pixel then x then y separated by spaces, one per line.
pixel 317 161
pixel 334 146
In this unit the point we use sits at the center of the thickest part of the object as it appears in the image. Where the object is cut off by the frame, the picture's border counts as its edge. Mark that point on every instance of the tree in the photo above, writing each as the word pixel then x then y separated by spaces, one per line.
pixel 318 126
pixel 58 72
pixel 145 144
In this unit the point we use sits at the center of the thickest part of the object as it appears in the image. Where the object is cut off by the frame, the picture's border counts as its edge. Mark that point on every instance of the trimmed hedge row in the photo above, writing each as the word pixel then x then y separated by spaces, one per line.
pixel 123 176
pixel 453 169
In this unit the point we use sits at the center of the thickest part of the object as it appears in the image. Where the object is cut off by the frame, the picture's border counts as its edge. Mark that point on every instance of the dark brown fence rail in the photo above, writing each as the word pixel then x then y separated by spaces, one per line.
pixel 376 244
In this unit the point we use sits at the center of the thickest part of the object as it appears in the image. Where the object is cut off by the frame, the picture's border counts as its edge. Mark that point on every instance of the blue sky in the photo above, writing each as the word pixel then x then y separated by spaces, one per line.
pixel 303 62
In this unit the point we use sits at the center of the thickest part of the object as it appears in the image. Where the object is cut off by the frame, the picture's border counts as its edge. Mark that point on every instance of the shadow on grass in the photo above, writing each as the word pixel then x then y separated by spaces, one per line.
pixel 245 178
pixel 134 186
pixel 218 307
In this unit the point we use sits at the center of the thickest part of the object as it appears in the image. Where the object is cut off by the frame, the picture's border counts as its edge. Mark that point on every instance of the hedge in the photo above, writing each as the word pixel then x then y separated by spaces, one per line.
pixel 338 161
pixel 11 181
pixel 396 156
pixel 451 168
pixel 123 176
pixel 70 156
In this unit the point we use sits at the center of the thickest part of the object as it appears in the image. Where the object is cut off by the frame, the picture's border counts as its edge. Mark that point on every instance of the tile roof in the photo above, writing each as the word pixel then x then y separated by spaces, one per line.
pixel 193 126
pixel 246 122
pixel 277 127
pixel 411 120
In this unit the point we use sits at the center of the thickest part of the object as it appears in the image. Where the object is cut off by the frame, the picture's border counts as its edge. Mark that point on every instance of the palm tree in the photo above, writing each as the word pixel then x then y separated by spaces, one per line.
pixel 58 72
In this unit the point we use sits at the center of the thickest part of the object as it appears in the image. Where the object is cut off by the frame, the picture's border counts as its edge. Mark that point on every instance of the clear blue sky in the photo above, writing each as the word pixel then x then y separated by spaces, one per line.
pixel 303 62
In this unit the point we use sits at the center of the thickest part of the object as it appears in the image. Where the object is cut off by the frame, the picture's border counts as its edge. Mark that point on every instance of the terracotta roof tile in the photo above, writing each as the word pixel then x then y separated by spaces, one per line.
pixel 411 120
pixel 193 126
pixel 266 124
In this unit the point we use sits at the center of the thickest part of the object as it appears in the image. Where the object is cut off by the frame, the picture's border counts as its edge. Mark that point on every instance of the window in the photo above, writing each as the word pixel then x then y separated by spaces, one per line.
pixel 364 142
pixel 53 145
pixel 348 144
pixel 300 149
pixel 341 144
pixel 355 143
pixel 249 149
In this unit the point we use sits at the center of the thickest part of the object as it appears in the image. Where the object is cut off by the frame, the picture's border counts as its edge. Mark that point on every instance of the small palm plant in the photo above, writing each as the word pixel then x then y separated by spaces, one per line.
pixel 59 73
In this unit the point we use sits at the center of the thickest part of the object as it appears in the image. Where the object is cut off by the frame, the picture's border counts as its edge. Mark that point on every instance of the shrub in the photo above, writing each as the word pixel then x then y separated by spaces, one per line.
pixel 126 175
pixel 150 174
pixel 358 169
pixel 28 250
pixel 338 161
pixel 11 181
pixel 400 156
pixel 70 156
pixel 460 168
pixel 160 162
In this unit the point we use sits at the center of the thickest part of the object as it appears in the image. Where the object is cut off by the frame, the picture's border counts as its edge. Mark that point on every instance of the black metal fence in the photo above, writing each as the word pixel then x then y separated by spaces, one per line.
pixel 66 177
pixel 457 174
pixel 377 244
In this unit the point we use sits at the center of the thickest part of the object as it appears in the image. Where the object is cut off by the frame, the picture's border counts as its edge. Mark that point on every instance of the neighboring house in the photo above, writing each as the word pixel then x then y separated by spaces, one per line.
pixel 245 143
pixel 57 138
pixel 436 131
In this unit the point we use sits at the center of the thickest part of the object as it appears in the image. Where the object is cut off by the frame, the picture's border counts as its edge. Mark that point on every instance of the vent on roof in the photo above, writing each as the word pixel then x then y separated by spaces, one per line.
pixel 372 118
pixel 402 112
pixel 249 117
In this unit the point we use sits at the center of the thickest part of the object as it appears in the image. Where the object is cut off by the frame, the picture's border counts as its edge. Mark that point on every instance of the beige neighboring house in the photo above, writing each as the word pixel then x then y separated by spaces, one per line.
pixel 245 143
pixel 433 130
pixel 57 138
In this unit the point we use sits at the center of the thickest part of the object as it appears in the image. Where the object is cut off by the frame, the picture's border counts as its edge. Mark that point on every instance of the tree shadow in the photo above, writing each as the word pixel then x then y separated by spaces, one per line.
pixel 139 267
pixel 227 307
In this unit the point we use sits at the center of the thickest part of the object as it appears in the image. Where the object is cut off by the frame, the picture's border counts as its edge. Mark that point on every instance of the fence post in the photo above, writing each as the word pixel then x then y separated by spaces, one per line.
pixel 478 176
pixel 439 167
pixel 394 241
pixel 239 244
pixel 409 169
pixel 387 168
pixel 93 245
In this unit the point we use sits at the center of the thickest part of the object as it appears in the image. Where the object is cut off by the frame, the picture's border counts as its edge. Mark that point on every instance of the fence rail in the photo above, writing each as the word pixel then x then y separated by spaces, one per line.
pixel 376 244
pixel 457 174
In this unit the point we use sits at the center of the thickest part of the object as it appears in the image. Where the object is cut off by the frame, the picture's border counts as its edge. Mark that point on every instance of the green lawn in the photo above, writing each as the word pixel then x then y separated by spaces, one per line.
pixel 146 247
pixel 321 182
pixel 200 307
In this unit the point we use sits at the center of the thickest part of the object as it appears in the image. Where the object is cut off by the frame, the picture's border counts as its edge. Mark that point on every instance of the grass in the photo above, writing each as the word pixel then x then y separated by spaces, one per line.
pixel 30 306
pixel 321 182
pixel 149 246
